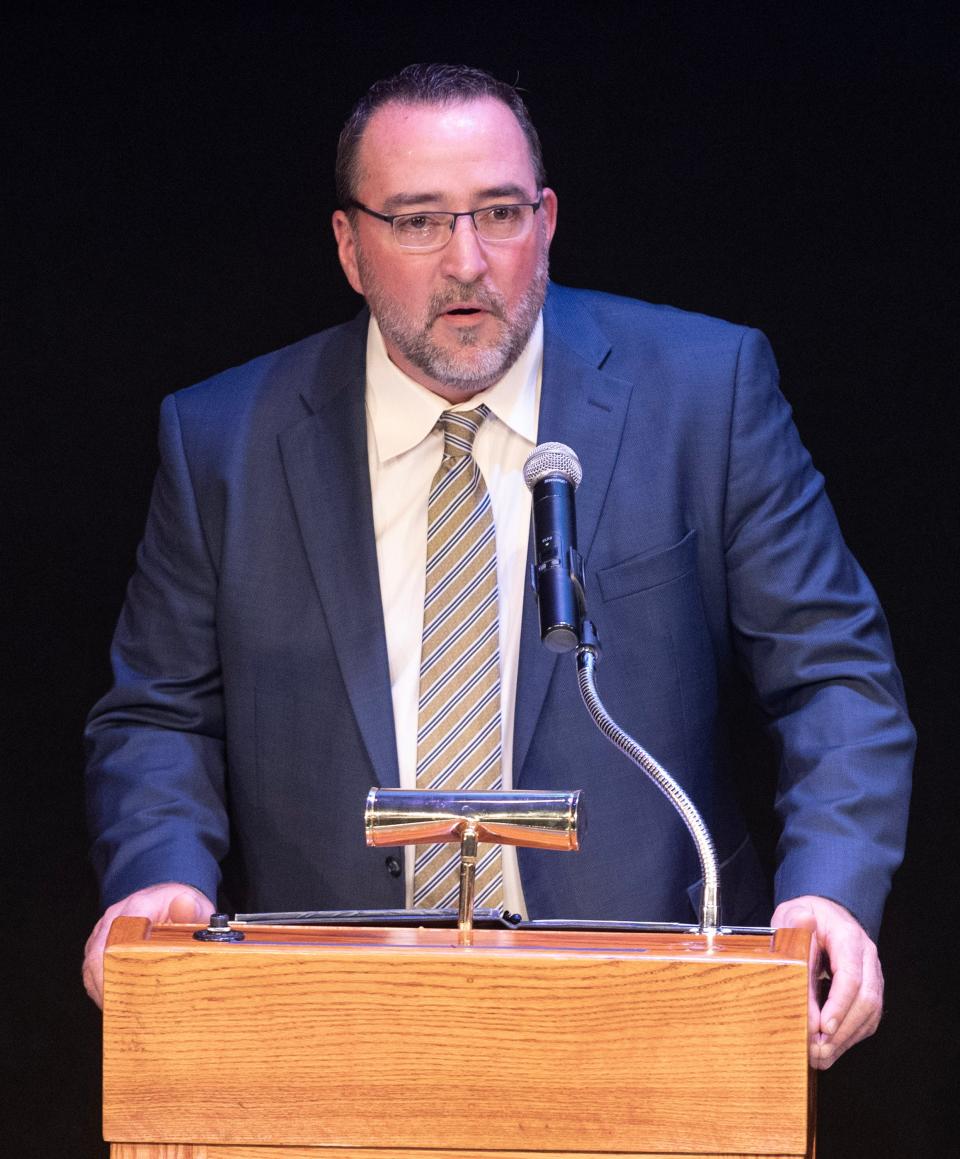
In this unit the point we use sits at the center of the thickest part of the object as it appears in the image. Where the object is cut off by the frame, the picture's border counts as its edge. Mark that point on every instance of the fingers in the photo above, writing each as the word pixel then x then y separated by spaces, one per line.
pixel 93 960
pixel 854 1002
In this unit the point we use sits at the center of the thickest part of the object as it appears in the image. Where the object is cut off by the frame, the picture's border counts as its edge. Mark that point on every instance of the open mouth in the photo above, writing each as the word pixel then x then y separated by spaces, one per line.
pixel 462 310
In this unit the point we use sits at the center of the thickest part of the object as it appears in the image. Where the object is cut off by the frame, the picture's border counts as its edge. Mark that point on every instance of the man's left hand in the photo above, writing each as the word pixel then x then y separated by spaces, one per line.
pixel 853 1006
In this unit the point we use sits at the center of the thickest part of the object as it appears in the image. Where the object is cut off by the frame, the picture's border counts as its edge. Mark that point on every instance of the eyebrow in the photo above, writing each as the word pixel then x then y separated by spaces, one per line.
pixel 493 193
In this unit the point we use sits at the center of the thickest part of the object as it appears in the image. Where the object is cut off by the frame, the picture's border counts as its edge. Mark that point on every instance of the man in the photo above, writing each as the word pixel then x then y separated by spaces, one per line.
pixel 268 659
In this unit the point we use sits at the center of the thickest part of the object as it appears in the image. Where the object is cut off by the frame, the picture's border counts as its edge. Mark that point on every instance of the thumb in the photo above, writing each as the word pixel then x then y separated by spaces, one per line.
pixel 795 916
pixel 188 907
pixel 800 915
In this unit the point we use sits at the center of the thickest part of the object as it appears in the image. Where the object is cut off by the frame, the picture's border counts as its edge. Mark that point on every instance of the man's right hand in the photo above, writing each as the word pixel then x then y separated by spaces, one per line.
pixel 168 902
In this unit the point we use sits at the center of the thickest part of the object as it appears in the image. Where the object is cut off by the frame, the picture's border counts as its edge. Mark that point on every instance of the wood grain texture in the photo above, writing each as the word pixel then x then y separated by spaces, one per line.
pixel 201 1151
pixel 162 1151
pixel 401 1040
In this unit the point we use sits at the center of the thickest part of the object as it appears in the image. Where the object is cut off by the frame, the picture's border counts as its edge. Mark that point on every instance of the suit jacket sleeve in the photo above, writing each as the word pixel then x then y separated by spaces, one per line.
pixel 809 629
pixel 156 740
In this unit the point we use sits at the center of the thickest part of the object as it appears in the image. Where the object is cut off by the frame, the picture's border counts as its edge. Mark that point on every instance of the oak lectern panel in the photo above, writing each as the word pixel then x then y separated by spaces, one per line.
pixel 359 1043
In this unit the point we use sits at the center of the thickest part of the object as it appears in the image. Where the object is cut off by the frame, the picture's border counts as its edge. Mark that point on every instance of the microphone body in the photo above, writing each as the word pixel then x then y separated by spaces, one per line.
pixel 553 473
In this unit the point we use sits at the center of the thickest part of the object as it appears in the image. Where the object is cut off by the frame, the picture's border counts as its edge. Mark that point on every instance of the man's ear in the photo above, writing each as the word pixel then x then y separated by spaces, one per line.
pixel 549 210
pixel 347 249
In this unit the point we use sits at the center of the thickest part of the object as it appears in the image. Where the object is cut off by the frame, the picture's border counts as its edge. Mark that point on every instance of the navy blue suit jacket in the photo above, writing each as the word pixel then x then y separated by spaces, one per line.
pixel 251 709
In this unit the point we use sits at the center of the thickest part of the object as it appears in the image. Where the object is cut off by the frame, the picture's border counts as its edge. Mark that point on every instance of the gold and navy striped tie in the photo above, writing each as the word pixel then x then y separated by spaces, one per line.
pixel 458 727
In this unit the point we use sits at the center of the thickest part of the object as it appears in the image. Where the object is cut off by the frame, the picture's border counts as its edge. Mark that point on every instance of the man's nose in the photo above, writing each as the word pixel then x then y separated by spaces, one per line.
pixel 463 257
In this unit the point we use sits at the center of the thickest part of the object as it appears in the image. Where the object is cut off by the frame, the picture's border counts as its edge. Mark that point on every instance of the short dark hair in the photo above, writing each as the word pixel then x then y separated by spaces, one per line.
pixel 428 84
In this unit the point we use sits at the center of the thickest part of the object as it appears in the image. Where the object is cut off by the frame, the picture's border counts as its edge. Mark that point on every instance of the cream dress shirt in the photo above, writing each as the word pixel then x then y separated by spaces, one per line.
pixel 404 453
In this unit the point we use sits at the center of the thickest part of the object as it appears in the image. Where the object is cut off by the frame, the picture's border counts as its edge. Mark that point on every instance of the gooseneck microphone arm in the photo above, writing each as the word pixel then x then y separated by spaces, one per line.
pixel 553 473
pixel 588 655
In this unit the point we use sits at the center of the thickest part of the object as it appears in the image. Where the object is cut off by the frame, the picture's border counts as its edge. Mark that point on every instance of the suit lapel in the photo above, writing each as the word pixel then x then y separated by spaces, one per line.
pixel 584 407
pixel 325 461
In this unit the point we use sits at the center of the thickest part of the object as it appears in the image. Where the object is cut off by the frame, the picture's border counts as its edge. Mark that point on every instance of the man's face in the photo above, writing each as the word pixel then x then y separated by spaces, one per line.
pixel 457 318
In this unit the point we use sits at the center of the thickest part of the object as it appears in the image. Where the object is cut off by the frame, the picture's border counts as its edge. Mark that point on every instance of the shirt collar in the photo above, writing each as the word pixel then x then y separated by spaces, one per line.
pixel 402 412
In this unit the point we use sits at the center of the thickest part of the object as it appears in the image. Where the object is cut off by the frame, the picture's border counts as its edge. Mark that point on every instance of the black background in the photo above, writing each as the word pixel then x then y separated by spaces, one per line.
pixel 790 166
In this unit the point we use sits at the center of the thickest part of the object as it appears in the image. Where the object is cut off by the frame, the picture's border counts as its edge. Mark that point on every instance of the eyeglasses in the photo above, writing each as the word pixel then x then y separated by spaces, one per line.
pixel 431 231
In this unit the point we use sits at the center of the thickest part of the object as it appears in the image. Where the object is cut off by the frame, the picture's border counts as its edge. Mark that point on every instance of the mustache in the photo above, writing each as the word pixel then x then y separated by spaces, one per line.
pixel 475 293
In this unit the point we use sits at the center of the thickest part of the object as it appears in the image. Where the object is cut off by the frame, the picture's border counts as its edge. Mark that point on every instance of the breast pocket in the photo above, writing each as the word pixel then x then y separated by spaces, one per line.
pixel 659 661
pixel 642 573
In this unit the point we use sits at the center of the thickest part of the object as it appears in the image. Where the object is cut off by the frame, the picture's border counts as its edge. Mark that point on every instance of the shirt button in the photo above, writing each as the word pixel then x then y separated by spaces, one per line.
pixel 393 867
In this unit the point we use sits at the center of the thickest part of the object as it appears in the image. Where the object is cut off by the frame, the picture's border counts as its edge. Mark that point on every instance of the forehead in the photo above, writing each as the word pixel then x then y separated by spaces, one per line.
pixel 440 152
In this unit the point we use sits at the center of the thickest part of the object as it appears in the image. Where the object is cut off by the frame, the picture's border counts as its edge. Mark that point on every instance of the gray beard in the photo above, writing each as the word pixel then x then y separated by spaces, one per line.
pixel 478 367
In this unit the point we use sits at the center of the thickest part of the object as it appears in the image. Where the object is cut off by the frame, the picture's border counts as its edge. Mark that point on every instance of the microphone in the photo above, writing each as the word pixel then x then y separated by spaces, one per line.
pixel 553 473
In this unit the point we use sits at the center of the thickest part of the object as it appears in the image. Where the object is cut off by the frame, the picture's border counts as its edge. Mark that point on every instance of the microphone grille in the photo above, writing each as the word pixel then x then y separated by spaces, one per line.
pixel 552 459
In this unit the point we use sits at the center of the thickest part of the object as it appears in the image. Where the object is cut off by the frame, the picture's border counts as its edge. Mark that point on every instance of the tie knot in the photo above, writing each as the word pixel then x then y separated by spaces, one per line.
pixel 459 430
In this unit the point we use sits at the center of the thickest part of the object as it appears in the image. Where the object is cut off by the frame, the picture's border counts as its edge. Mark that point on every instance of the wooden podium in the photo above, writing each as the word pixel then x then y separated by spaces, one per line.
pixel 361 1043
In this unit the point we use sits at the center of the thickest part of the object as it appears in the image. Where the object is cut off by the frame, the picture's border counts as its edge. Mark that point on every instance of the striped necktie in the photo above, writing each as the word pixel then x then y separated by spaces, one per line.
pixel 458 726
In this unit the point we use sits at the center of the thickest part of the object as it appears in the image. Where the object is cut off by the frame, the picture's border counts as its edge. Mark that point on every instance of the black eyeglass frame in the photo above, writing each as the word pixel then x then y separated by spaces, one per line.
pixel 390 218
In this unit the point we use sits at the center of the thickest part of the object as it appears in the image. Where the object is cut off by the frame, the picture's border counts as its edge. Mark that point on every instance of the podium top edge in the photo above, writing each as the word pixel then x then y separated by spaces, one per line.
pixel 133 934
